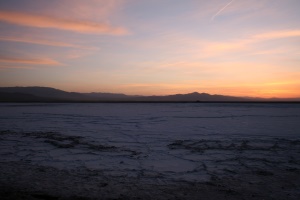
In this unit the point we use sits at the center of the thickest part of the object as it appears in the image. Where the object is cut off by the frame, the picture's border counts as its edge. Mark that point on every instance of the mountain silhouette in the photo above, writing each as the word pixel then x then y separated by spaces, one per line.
pixel 47 94
pixel 195 96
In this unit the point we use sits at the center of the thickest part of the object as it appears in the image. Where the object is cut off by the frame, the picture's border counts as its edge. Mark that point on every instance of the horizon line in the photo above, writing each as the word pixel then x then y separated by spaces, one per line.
pixel 155 95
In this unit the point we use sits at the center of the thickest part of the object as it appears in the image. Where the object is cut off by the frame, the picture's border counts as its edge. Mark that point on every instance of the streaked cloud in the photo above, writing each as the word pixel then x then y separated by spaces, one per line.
pixel 277 35
pixel 41 21
pixel 220 11
pixel 37 61
pixel 39 41
pixel 3 67
pixel 216 48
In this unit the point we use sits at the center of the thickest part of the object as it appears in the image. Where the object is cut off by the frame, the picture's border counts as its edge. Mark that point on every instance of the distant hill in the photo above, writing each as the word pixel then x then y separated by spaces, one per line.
pixel 46 94
pixel 195 96
pixel 19 94
pixel 108 96
pixel 19 97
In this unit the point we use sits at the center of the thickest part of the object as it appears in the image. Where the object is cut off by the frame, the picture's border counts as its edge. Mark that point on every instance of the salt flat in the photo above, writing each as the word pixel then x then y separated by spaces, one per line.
pixel 146 151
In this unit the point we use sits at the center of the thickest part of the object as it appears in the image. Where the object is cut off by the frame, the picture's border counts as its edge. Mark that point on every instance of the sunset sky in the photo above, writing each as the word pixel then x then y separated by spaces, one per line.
pixel 147 47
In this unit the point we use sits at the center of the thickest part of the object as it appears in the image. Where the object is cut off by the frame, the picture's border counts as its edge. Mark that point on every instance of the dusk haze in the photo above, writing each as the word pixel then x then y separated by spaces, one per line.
pixel 141 47
pixel 149 99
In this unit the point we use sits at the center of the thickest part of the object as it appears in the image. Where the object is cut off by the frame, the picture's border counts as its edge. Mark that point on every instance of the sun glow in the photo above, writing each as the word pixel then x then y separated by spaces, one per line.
pixel 238 48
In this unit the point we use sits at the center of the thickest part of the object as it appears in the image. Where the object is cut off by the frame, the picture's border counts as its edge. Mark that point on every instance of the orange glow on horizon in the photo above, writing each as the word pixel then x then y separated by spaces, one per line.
pixel 141 48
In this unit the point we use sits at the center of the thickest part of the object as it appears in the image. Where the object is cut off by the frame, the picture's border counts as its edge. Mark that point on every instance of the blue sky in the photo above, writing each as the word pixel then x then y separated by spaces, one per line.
pixel 238 47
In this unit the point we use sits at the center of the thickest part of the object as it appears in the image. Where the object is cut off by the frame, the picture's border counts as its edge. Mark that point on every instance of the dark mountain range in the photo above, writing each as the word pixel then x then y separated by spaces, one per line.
pixel 19 94
pixel 46 94
pixel 195 96
pixel 19 97
pixel 108 96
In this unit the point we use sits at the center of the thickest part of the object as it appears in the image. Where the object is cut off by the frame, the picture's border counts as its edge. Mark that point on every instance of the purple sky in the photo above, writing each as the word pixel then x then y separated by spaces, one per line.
pixel 238 47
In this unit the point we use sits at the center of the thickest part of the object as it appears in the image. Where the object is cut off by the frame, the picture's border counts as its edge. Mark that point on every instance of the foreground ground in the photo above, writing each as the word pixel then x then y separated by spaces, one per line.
pixel 47 165
pixel 20 180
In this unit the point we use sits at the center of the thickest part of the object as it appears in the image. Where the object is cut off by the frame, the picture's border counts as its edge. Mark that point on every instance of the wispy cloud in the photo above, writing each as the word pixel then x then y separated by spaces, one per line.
pixel 277 35
pixel 220 11
pixel 45 42
pixel 36 41
pixel 3 67
pixel 40 61
pixel 41 21
pixel 214 48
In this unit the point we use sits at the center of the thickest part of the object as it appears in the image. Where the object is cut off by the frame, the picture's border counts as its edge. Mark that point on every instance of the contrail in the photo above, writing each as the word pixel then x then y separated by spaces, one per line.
pixel 213 17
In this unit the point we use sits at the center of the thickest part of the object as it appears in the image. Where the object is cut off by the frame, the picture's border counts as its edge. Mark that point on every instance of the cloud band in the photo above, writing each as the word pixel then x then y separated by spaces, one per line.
pixel 40 21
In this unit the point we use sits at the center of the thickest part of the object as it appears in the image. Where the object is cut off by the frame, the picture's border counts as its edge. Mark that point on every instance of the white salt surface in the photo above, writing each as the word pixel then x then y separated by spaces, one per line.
pixel 158 143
